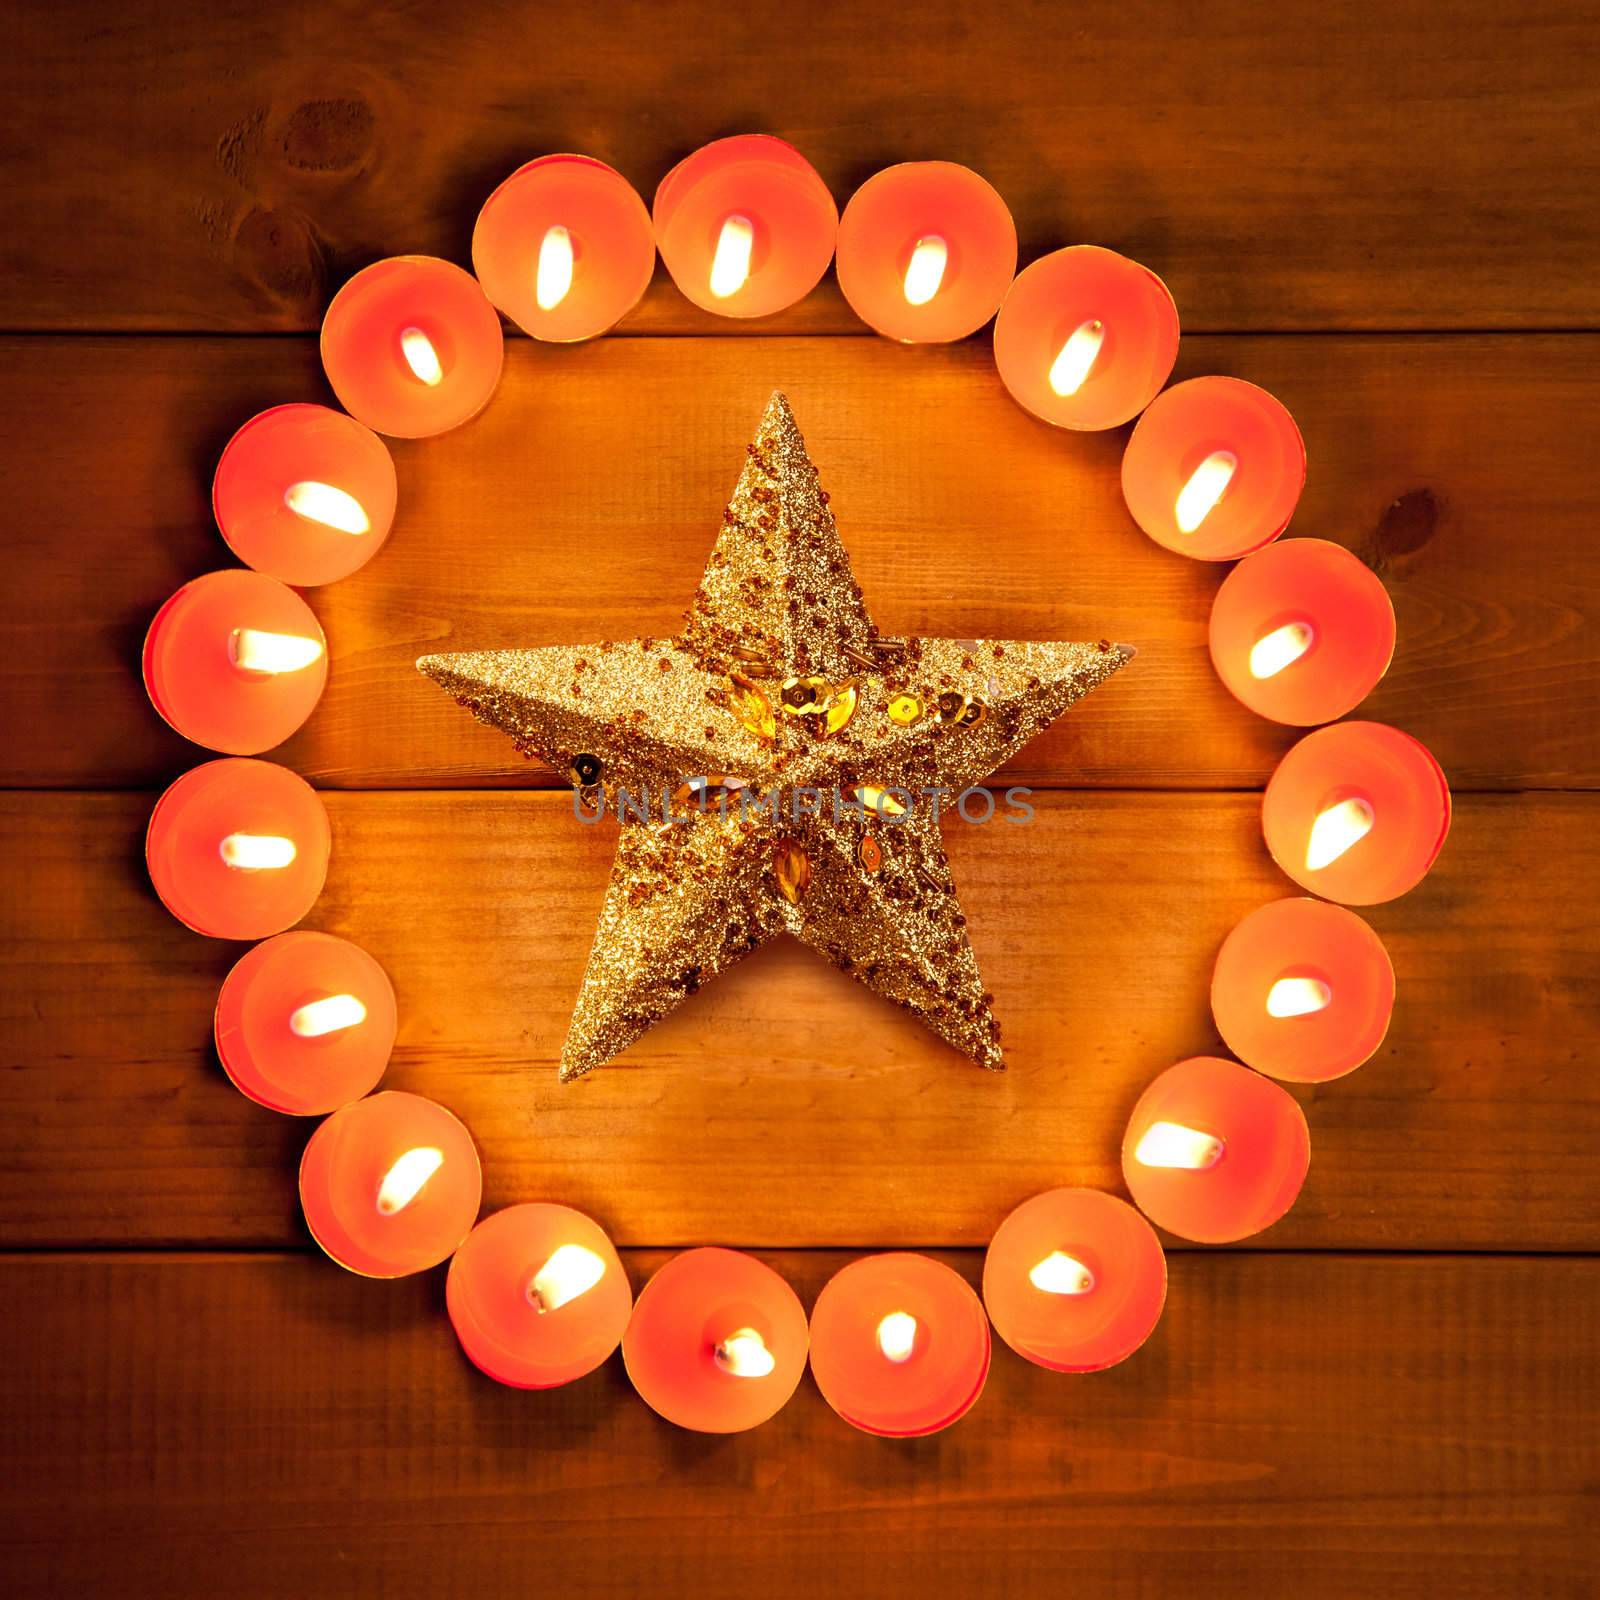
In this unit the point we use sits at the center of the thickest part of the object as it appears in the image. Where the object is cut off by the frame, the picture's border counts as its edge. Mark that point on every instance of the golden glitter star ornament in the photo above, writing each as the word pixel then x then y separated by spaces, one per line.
pixel 778 767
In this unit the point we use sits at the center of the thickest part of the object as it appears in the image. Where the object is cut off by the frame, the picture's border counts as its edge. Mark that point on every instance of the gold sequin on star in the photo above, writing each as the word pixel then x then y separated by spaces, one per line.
pixel 774 768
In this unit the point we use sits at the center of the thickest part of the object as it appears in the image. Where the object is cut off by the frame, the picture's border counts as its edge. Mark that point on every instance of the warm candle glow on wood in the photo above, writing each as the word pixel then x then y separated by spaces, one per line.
pixel 730 266
pixel 256 852
pixel 1171 1144
pixel 1198 498
pixel 1060 1273
pixel 744 1354
pixel 404 1181
pixel 320 1017
pixel 553 281
pixel 1336 830
pixel 322 502
pixel 1281 648
pixel 1298 997
pixel 925 271
pixel 571 1271
pixel 897 1336
pixel 1076 358
pixel 421 357
pixel 255 650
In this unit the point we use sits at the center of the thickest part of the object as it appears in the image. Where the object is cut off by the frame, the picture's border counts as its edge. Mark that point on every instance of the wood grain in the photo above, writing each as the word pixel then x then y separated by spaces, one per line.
pixel 785 1105
pixel 1355 165
pixel 1325 1426
pixel 582 505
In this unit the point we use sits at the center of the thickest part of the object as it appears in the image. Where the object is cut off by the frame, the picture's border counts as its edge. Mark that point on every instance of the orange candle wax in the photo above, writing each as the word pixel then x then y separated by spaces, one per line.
pixel 564 247
pixel 1302 631
pixel 899 1345
pixel 1075 1280
pixel 1085 338
pixel 305 494
pixel 1214 469
pixel 717 1341
pixel 1303 990
pixel 412 346
pixel 235 661
pixel 745 225
pixel 238 849
pixel 927 251
pixel 305 1023
pixel 390 1185
pixel 1357 812
pixel 1214 1152
pixel 538 1296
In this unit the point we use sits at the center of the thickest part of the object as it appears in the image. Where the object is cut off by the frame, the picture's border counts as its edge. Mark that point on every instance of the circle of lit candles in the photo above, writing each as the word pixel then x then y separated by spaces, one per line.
pixel 235 661
pixel 1357 812
pixel 927 250
pixel 1303 990
pixel 390 1185
pixel 538 1296
pixel 1302 631
pixel 1214 469
pixel 412 346
pixel 238 849
pixel 305 1023
pixel 305 494
pixel 564 247
pixel 1075 1280
pixel 899 1345
pixel 745 225
pixel 717 1341
pixel 1215 1152
pixel 1086 338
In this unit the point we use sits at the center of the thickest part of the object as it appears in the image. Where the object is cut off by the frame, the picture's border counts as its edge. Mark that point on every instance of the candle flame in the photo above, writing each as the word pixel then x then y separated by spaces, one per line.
pixel 1298 997
pixel 403 1182
pixel 319 1017
pixel 925 270
pixel 321 502
pixel 256 852
pixel 1076 358
pixel 1281 648
pixel 730 267
pixel 1170 1144
pixel 571 1271
pixel 897 1336
pixel 744 1354
pixel 1336 830
pixel 1060 1273
pixel 253 650
pixel 1197 499
pixel 420 356
pixel 554 278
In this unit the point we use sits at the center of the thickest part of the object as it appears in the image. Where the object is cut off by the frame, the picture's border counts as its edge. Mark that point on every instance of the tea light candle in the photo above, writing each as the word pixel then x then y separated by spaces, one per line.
pixel 899 1345
pixel 1086 338
pixel 305 1023
pixel 390 1185
pixel 1302 631
pixel 745 225
pixel 235 661
pixel 238 849
pixel 1357 812
pixel 1214 469
pixel 1303 990
pixel 538 1296
pixel 1075 1280
pixel 927 250
pixel 305 494
pixel 717 1341
pixel 564 247
pixel 1214 1152
pixel 412 346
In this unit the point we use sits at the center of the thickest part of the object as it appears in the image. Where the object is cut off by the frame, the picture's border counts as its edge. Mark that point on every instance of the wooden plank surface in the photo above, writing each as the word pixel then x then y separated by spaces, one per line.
pixel 1311 165
pixel 1326 1426
pixel 583 503
pixel 785 1105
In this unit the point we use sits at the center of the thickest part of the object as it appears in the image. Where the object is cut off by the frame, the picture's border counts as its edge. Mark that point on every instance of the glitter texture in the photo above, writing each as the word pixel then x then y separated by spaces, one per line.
pixel 773 701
